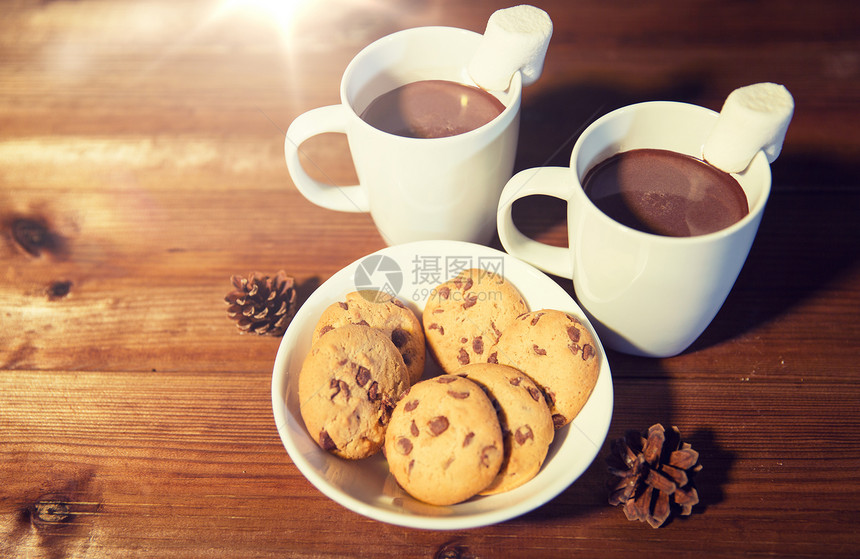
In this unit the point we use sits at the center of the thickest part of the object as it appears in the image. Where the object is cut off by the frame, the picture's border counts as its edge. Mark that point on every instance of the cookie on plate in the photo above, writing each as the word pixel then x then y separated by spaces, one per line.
pixel 527 428
pixel 349 384
pixel 558 352
pixel 444 443
pixel 464 316
pixel 383 312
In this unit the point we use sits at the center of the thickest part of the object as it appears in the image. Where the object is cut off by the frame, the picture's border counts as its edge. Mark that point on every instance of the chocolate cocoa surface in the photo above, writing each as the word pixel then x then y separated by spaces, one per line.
pixel 432 109
pixel 665 193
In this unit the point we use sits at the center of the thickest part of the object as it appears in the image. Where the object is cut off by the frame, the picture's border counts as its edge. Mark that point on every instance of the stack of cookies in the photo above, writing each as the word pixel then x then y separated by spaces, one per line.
pixel 510 378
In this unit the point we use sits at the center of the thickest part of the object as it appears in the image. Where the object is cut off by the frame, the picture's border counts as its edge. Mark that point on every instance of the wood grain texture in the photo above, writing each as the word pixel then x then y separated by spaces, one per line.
pixel 141 166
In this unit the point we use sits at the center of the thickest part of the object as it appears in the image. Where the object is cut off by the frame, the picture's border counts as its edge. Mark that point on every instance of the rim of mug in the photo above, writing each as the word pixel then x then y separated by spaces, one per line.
pixel 508 114
pixel 760 159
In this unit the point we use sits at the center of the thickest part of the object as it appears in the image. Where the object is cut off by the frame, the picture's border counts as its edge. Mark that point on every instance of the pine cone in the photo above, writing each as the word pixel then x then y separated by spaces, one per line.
pixel 262 305
pixel 656 475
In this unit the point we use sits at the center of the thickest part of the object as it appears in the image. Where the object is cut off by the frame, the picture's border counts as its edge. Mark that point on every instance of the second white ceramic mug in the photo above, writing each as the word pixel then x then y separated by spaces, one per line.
pixel 414 188
pixel 645 294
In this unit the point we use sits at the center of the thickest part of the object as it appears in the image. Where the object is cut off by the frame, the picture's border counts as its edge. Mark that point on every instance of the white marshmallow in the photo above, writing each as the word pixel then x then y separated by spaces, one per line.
pixel 515 39
pixel 753 118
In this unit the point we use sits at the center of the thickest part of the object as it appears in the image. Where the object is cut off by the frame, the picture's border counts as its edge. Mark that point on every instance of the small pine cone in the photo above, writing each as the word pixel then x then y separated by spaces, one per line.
pixel 262 305
pixel 656 475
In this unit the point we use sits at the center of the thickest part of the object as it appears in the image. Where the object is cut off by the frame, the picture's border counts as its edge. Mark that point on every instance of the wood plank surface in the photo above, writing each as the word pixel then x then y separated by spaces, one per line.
pixel 141 166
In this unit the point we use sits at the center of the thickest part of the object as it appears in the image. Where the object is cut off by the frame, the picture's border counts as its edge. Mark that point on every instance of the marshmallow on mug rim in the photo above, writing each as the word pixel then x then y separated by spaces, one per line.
pixel 753 118
pixel 515 39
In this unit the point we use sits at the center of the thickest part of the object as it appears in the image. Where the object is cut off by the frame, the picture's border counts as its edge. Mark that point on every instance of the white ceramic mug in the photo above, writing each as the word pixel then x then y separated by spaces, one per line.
pixel 645 294
pixel 414 188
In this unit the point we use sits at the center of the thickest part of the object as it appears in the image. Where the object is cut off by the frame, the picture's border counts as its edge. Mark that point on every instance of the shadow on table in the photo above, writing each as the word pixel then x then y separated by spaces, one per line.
pixel 305 288
pixel 642 396
pixel 809 238
pixel 590 494
pixel 717 464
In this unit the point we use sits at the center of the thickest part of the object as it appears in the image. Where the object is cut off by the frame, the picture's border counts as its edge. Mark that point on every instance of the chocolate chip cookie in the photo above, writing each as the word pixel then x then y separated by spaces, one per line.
pixel 383 312
pixel 349 384
pixel 558 352
pixel 525 419
pixel 464 316
pixel 444 442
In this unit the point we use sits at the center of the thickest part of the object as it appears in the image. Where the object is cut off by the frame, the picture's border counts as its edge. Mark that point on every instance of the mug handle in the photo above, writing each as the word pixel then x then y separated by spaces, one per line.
pixel 549 181
pixel 332 118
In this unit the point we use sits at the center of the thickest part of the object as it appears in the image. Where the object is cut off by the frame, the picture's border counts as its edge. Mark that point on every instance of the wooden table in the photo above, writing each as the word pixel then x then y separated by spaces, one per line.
pixel 141 166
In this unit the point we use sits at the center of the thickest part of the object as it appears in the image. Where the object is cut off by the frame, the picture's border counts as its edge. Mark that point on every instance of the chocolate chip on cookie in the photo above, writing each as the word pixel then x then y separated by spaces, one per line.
pixel 444 441
pixel 558 352
pixel 464 316
pixel 383 312
pixel 527 427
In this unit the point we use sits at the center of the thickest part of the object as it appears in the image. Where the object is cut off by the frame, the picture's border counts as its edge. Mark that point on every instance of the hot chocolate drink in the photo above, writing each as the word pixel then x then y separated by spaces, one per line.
pixel 665 193
pixel 432 109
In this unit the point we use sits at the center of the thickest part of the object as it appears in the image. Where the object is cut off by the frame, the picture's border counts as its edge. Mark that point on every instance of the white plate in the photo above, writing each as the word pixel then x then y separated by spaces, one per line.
pixel 411 271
